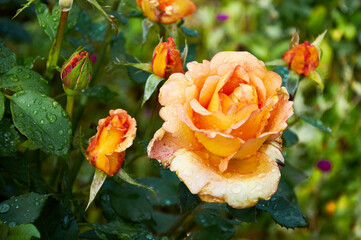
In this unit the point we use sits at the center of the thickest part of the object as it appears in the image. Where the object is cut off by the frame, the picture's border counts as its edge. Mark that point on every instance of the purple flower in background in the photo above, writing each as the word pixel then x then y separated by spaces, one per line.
pixel 324 165
pixel 222 17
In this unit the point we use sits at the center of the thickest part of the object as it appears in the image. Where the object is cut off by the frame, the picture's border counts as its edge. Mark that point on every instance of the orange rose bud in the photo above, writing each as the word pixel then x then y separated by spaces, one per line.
pixel 166 59
pixel 302 59
pixel 166 11
pixel 106 150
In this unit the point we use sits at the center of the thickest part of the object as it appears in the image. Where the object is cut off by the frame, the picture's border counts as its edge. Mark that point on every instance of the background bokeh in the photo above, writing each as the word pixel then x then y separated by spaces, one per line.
pixel 330 200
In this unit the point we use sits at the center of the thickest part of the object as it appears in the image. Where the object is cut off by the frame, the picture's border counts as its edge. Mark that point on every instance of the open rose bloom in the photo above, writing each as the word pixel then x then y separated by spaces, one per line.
pixel 106 150
pixel 166 11
pixel 221 135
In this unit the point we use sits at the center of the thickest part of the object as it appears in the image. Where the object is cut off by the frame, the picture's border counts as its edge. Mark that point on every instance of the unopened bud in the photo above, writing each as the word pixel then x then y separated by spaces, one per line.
pixel 65 5
pixel 76 73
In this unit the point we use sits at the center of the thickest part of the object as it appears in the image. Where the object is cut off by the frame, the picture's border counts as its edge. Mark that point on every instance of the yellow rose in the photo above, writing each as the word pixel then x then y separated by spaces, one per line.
pixel 106 150
pixel 221 135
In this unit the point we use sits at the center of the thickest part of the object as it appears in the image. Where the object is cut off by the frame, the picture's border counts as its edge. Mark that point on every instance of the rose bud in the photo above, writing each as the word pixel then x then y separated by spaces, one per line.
pixel 106 150
pixel 166 59
pixel 65 5
pixel 302 59
pixel 76 73
pixel 165 11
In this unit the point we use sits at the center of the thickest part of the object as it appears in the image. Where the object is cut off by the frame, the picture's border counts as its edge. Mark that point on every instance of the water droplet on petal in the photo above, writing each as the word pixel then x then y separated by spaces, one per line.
pixel 236 188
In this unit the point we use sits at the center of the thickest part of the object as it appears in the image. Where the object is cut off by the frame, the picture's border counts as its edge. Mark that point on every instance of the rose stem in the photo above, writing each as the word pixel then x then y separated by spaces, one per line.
pixel 55 49
pixel 69 105
pixel 99 62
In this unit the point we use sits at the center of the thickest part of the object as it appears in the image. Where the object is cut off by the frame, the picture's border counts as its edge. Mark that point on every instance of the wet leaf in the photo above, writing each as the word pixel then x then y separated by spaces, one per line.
pixel 22 209
pixel 24 6
pixel 9 138
pixel 42 120
pixel 188 201
pixel 7 59
pixel 314 76
pixel 190 32
pixel 122 174
pixel 289 138
pixel 97 6
pixel 2 105
pixel 20 78
pixel 146 26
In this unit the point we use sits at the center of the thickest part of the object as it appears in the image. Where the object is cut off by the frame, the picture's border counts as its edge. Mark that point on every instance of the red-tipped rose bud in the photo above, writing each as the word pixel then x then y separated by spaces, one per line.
pixel 76 73
pixel 302 58
pixel 166 59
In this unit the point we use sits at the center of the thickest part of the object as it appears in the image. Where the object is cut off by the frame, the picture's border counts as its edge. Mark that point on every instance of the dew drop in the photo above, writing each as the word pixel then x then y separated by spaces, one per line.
pixel 27 75
pixel 37 203
pixel 20 114
pixel 55 104
pixel 51 117
pixel 4 208
pixel 187 172
pixel 51 147
pixel 236 188
pixel 41 121
pixel 70 132
pixel 20 70
pixel 11 224
pixel 60 132
pixel 14 78
pixel 17 206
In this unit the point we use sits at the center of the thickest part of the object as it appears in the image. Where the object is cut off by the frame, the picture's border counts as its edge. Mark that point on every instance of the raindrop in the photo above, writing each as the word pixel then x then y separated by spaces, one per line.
pixel 41 121
pixel 55 19
pixel 20 114
pixel 236 188
pixel 51 147
pixel 17 206
pixel 149 236
pixel 40 103
pixel 70 132
pixel 20 70
pixel 51 117
pixel 43 26
pixel 60 132
pixel 27 75
pixel 167 202
pixel 37 203
pixel 44 108
pixel 64 114
pixel 4 208
pixel 55 27
pixel 55 104
pixel 11 224
pixel 14 78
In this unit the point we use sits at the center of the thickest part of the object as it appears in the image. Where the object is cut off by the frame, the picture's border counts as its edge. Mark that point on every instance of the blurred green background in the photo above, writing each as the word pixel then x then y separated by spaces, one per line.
pixel 331 201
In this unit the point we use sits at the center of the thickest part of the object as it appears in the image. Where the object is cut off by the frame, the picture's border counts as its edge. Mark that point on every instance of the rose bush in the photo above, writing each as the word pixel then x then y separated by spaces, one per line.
pixel 221 135
pixel 106 150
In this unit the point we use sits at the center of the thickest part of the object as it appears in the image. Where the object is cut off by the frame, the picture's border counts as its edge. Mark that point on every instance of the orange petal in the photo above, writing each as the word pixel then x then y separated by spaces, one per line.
pixel 198 72
pixel 260 88
pixel 173 90
pixel 219 145
pixel 208 89
pixel 215 104
pixel 272 82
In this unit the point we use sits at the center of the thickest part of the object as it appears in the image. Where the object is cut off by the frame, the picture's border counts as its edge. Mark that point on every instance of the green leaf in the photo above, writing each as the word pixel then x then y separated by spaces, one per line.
pixel 292 175
pixel 7 59
pixel 9 138
pixel 147 67
pixel 290 79
pixel 213 217
pixel 184 53
pixel 20 78
pixel 122 174
pixel 276 62
pixel 100 91
pixel 30 145
pixel 190 32
pixel 117 48
pixel 23 232
pixel 2 105
pixel 146 26
pixel 97 183
pixel 163 221
pixel 126 201
pixel 211 232
pixel 295 40
pixel 135 74
pixel 172 30
pixel 42 120
pixel 314 76
pixel 244 215
pixel 150 86
pixel 49 21
pixel 97 6
pixel 289 138
pixel 118 230
pixel 24 6
pixel 317 123
pixel 283 211
pixel 22 209
pixel 188 201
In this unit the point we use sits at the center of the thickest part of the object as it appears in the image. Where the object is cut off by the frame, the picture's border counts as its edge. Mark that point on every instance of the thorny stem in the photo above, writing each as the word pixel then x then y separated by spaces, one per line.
pixel 55 49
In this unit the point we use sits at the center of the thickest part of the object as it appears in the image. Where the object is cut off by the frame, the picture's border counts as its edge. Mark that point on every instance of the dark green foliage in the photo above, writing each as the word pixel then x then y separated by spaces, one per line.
pixel 7 59
pixel 42 120
pixel 9 138
pixel 100 92
pixel 317 123
pixel 289 138
pixel 188 201
pixel 20 78
pixel 22 209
